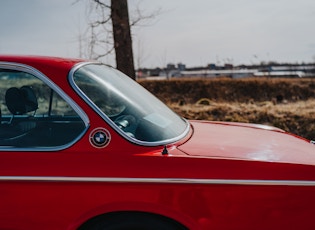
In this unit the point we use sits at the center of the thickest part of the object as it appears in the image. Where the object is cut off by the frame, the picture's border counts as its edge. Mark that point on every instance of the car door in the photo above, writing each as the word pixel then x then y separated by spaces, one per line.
pixel 39 123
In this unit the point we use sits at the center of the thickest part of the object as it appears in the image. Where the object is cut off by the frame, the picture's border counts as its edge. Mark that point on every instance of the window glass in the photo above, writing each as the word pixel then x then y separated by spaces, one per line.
pixel 132 110
pixel 33 115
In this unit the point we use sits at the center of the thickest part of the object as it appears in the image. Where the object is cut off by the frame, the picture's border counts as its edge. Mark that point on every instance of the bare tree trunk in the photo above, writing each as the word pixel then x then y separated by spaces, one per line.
pixel 122 37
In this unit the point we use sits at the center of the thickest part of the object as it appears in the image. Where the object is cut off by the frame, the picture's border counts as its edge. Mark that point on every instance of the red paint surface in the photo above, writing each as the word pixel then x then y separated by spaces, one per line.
pixel 211 151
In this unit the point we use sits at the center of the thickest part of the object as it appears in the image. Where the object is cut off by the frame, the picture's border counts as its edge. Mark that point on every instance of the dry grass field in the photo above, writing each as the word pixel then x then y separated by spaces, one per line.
pixel 285 103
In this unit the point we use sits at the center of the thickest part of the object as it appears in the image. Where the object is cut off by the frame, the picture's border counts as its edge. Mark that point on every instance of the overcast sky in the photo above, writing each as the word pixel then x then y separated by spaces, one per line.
pixel 194 33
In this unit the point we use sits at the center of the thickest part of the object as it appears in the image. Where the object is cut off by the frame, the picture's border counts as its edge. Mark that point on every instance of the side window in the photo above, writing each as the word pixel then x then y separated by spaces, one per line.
pixel 33 115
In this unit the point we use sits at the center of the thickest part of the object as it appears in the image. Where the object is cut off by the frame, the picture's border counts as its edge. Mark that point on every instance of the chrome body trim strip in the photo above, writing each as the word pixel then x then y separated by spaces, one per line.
pixel 160 180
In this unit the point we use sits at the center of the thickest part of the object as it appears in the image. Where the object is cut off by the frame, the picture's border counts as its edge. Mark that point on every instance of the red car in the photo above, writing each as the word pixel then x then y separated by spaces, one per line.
pixel 82 146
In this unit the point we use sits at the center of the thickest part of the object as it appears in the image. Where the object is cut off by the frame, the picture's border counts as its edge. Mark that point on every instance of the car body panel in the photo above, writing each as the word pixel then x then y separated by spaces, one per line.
pixel 220 175
pixel 228 140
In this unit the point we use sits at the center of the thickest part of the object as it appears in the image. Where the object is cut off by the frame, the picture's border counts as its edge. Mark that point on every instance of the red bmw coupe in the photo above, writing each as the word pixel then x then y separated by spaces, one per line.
pixel 82 146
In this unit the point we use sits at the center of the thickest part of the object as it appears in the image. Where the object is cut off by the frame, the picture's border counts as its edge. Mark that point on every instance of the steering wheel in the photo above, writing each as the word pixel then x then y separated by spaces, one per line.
pixel 127 123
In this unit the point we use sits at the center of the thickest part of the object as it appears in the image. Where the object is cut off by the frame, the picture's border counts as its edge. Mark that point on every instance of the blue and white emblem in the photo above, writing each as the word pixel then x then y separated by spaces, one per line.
pixel 99 137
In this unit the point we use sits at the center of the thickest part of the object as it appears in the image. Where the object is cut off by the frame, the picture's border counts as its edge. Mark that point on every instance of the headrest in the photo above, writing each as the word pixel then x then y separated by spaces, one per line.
pixel 21 101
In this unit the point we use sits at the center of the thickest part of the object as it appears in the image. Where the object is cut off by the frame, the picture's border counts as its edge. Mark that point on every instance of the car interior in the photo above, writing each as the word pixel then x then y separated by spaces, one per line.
pixel 23 128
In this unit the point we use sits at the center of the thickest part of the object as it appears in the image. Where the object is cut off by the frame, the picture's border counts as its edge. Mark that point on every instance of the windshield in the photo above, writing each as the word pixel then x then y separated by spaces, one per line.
pixel 128 107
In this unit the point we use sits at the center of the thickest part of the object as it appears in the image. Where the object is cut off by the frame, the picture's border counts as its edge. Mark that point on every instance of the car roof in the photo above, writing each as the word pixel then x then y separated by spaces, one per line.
pixel 29 60
pixel 50 66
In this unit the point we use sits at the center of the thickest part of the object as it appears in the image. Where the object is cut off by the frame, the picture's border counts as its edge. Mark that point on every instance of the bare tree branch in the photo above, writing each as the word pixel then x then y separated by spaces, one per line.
pixel 101 4
pixel 140 16
pixel 101 22
pixel 103 35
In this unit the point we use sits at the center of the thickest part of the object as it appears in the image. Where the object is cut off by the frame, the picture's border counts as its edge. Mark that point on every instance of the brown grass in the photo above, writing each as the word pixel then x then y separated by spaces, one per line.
pixel 285 103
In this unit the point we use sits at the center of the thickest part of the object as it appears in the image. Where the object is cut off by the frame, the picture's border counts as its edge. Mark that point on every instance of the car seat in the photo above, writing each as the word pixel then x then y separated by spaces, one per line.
pixel 21 101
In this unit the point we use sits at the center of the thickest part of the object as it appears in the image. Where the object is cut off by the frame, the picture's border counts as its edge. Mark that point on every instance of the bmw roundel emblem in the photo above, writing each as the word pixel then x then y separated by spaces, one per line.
pixel 99 137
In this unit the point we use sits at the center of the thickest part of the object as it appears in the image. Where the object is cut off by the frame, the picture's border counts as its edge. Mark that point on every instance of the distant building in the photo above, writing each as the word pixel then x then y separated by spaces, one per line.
pixel 181 67
pixel 228 70
pixel 233 73
pixel 170 66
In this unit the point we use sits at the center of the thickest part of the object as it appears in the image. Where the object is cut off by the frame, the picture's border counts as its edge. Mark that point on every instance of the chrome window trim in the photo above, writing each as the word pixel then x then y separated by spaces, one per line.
pixel 160 180
pixel 30 70
pixel 109 121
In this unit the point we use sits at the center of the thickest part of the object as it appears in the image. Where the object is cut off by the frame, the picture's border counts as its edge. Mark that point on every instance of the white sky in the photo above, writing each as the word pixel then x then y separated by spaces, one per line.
pixel 194 33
